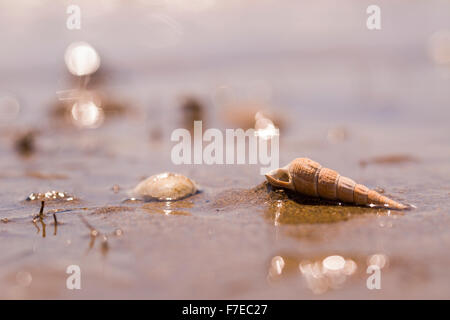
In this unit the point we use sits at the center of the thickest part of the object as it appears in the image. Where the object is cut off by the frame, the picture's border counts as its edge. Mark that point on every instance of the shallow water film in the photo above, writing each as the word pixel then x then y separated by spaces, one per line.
pixel 88 113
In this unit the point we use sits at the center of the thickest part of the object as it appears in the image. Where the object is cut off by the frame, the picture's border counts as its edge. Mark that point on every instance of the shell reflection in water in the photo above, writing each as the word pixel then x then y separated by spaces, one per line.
pixel 165 186
pixel 81 59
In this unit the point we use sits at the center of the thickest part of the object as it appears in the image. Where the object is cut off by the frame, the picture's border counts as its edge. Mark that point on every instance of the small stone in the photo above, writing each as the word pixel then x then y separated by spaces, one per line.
pixel 165 187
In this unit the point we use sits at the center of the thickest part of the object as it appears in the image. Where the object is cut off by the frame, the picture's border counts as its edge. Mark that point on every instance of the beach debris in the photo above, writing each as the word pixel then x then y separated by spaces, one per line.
pixel 165 186
pixel 85 108
pixel 50 196
pixel 388 159
pixel 308 177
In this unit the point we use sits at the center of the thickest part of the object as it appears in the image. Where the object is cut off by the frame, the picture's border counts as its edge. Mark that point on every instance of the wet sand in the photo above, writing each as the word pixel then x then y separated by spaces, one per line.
pixel 344 101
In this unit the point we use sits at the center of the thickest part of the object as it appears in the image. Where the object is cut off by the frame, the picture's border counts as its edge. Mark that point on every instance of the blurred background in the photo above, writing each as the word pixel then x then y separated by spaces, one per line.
pixel 372 104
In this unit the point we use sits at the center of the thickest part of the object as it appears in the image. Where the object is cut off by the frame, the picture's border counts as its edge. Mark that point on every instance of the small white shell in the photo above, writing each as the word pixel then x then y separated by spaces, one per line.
pixel 165 187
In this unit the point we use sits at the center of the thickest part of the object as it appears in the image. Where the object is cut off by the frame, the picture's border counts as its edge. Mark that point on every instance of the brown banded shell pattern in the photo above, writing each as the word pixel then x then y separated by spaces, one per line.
pixel 310 178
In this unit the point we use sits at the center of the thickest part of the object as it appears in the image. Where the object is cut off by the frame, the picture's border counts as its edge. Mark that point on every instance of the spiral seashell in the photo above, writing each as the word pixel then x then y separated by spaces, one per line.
pixel 308 177
pixel 165 186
